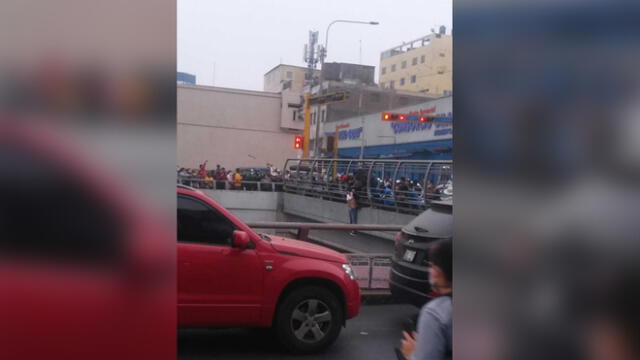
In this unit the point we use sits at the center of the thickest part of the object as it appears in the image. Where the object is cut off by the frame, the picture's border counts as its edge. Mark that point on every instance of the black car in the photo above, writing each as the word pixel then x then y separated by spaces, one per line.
pixel 409 278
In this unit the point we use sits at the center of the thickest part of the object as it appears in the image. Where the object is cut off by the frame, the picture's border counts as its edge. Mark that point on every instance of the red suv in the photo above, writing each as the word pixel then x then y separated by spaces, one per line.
pixel 230 276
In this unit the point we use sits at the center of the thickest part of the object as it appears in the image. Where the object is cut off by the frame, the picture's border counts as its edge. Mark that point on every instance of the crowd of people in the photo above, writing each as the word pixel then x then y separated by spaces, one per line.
pixel 402 192
pixel 220 178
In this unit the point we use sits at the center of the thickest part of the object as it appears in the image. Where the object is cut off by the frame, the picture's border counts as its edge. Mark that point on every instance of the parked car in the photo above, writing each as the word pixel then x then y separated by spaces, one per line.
pixel 231 276
pixel 409 278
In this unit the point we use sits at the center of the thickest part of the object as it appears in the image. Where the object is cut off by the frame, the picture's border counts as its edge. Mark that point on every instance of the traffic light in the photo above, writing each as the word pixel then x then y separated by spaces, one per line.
pixel 423 119
pixel 393 117
pixel 297 142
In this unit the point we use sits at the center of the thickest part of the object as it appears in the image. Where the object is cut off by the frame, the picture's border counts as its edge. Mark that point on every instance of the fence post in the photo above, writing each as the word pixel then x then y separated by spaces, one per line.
pixel 303 234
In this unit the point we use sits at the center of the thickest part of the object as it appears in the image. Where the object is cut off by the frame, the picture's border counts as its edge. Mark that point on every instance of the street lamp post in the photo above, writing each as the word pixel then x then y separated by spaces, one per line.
pixel 323 55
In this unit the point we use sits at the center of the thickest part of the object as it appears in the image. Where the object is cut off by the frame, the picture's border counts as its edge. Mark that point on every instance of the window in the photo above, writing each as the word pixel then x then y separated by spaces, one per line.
pixel 442 54
pixel 393 67
pixel 404 64
pixel 289 75
pixel 392 84
pixel 401 81
pixel 294 115
pixel 313 118
pixel 323 117
pixel 413 79
pixel 422 59
pixel 414 61
pixel 384 70
pixel 200 223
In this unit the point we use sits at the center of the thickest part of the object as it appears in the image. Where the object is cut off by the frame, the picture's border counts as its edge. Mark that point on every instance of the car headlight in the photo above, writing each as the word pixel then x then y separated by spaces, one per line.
pixel 349 271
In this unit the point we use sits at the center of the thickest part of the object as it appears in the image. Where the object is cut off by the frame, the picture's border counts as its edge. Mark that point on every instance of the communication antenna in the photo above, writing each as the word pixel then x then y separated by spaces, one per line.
pixel 310 56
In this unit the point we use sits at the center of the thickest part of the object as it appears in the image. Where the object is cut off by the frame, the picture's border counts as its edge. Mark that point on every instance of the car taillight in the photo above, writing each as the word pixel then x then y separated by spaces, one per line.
pixel 398 238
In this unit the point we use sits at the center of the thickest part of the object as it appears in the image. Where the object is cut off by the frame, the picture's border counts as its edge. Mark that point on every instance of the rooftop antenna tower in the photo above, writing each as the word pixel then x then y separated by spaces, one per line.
pixel 310 57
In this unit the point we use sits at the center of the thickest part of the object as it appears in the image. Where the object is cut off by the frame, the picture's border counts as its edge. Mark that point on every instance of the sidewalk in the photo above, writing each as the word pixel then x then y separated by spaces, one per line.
pixel 360 243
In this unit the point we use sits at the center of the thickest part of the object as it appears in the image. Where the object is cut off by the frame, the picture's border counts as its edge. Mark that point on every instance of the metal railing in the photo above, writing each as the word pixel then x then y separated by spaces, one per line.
pixel 363 263
pixel 303 228
pixel 397 185
pixel 212 184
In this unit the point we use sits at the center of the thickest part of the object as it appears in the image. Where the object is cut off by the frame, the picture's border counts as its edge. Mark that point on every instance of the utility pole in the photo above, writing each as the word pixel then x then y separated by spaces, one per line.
pixel 312 60
pixel 323 55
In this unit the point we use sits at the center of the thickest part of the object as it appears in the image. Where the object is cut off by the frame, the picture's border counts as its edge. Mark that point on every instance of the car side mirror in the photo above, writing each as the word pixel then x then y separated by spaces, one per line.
pixel 240 239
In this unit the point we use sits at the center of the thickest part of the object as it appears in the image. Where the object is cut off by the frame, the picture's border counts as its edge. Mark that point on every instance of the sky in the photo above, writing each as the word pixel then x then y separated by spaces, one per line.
pixel 243 39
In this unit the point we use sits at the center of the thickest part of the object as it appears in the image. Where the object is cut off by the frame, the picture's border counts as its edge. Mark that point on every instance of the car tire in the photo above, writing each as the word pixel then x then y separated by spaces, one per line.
pixel 308 320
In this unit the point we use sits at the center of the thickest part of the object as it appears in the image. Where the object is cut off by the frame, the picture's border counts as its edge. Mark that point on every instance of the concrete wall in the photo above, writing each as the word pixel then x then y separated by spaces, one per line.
pixel 268 206
pixel 230 127
pixel 249 205
pixel 329 211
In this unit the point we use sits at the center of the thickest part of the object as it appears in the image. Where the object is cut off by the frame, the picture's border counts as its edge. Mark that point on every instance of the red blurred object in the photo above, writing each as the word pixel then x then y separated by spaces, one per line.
pixel 88 271
pixel 297 142
pixel 236 277
pixel 423 119
pixel 386 116
pixel 402 117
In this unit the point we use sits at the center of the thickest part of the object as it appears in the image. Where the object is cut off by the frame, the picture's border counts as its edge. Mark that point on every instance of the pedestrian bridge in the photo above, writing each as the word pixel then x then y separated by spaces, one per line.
pixel 389 192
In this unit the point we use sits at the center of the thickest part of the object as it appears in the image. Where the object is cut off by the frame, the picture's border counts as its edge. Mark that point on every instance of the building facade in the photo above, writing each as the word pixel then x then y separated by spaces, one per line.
pixel 235 128
pixel 286 77
pixel 370 137
pixel 362 100
pixel 424 65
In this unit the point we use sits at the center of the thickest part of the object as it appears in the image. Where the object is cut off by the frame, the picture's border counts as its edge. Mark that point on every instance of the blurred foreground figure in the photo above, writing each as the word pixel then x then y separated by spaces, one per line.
pixel 86 268
pixel 433 340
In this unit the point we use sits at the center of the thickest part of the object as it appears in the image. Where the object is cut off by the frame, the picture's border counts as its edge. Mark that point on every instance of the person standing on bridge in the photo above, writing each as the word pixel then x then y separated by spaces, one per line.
pixel 352 204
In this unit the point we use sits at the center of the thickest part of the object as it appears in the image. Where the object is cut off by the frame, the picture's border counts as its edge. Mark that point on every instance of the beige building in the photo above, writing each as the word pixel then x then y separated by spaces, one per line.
pixel 283 77
pixel 423 65
pixel 236 128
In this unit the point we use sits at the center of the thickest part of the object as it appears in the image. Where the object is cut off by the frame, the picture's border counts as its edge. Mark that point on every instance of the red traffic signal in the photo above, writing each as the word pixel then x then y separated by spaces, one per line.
pixel 297 142
pixel 394 117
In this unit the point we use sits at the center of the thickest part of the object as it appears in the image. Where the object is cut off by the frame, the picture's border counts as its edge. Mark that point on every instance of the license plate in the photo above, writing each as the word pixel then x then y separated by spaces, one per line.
pixel 409 255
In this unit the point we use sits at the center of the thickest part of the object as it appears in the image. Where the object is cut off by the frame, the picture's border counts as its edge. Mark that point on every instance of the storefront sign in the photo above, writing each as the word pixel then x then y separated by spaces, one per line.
pixel 402 127
pixel 350 134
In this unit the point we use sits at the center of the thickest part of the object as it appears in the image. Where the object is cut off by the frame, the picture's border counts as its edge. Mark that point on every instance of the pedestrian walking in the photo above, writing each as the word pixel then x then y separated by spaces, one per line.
pixel 352 204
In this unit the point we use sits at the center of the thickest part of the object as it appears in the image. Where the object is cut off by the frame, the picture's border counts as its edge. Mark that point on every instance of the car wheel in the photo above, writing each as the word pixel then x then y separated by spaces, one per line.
pixel 309 319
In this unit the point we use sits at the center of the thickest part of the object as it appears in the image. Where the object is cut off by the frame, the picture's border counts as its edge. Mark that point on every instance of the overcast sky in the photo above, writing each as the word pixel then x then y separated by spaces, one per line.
pixel 246 38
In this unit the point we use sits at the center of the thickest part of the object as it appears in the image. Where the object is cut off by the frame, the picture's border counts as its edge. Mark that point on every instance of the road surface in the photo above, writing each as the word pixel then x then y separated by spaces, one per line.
pixel 372 336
